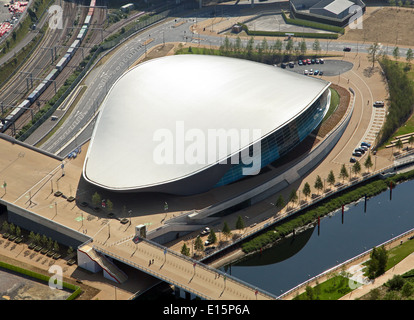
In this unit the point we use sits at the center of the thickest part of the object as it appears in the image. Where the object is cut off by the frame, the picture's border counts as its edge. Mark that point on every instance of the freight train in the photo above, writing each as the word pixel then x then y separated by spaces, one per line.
pixel 25 104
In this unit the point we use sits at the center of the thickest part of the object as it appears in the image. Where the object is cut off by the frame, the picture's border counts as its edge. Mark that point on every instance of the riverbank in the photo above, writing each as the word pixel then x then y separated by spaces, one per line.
pixel 353 266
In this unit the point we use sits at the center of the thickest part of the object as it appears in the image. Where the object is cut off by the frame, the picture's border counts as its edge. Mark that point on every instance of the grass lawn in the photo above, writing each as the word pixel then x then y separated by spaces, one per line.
pixel 331 289
pixel 334 103
pixel 396 254
pixel 408 127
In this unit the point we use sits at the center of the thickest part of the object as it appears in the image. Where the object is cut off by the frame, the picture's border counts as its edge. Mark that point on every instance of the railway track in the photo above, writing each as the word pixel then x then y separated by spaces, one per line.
pixel 44 64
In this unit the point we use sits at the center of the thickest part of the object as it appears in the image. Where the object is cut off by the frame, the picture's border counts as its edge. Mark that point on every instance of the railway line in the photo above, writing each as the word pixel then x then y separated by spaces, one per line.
pixel 48 75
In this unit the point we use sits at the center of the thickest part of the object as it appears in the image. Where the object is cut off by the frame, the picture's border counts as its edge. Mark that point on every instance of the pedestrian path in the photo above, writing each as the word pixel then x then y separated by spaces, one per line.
pixel 402 267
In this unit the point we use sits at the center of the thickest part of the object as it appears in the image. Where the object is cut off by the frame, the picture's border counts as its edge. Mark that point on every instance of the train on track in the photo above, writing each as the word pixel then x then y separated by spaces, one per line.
pixel 25 104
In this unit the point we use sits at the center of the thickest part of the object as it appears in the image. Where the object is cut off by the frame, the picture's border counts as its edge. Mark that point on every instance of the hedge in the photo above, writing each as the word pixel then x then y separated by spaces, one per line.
pixel 312 24
pixel 76 289
pixel 310 215
pixel 296 34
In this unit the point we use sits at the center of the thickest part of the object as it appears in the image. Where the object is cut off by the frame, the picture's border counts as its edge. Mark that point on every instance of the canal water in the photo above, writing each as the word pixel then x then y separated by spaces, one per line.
pixel 340 237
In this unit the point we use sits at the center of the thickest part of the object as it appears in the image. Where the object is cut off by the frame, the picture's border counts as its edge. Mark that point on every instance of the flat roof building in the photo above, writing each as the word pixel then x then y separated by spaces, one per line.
pixel 184 124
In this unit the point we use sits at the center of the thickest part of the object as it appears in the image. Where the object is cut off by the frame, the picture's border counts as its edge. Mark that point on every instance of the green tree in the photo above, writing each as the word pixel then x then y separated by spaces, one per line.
pixel 289 46
pixel 293 197
pixel 411 140
pixel 226 46
pixel 318 183
pixel 331 178
pixel 49 243
pixel 226 230
pixel 368 162
pixel 96 199
pixel 109 205
pixel 249 47
pixel 399 144
pixel 5 226
pixel 303 47
pixel 239 223
pixel 198 244
pixel 43 240
pixel 395 283
pixel 18 231
pixel 356 168
pixel 407 289
pixel 56 246
pixel 32 236
pixel 409 56
pixel 278 46
pixel 396 53
pixel 12 228
pixel 373 52
pixel 316 46
pixel 37 238
pixel 185 250
pixel 238 46
pixel 309 293
pixel 212 238
pixel 306 190
pixel 280 202
pixel 377 263
pixel 343 174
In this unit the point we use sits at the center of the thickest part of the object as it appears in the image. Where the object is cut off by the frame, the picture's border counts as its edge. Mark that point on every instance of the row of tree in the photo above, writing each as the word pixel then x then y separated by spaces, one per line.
pixel 401 98
pixel 268 52
pixel 36 238
pixel 319 185
pixel 212 237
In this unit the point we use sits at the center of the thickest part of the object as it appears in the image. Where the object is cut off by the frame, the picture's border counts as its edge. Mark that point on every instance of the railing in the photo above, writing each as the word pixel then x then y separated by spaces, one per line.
pixel 298 287
pixel 185 260
pixel 151 271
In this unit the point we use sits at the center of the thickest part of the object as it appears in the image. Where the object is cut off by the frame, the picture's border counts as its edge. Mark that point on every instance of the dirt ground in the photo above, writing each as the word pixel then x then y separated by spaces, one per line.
pixel 388 26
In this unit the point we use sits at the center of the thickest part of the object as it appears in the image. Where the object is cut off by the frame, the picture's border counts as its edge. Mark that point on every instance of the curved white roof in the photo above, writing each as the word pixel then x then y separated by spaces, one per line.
pixel 183 92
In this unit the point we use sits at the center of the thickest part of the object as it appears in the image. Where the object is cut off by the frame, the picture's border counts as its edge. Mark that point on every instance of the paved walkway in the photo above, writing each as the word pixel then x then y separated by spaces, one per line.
pixel 405 265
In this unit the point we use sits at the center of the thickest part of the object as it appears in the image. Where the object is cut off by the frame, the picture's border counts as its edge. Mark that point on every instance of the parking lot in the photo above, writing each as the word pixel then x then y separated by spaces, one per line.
pixel 329 67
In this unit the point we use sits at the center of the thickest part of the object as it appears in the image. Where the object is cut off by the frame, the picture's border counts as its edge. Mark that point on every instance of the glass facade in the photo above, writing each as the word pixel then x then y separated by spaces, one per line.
pixel 284 139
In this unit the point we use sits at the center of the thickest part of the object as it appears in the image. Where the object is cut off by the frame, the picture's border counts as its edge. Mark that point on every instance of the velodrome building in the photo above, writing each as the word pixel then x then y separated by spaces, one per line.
pixel 160 125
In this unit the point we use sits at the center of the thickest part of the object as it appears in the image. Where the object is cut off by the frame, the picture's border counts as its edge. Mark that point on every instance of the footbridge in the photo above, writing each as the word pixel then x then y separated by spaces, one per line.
pixel 184 273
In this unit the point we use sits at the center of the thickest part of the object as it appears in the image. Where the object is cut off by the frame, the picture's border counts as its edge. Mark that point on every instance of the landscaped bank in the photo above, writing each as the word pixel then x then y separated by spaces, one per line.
pixel 310 215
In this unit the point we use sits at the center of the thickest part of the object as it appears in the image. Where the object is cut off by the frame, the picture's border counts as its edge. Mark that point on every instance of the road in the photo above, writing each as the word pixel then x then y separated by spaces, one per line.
pixel 101 78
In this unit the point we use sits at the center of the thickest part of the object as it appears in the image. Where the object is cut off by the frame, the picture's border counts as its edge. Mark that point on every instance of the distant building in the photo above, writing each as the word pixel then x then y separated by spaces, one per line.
pixel 142 120
pixel 334 12
pixel 332 8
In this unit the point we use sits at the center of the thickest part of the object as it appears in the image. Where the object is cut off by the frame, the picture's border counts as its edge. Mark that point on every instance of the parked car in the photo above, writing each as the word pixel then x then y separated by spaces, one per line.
pixel 365 144
pixel 321 61
pixel 205 231
pixel 311 72
pixel 313 61
pixel 378 103
pixel 291 64
pixel 316 72
pixel 300 63
pixel 352 160
pixel 317 61
pixel 283 65
pixel 364 148
pixel 308 61
pixel 321 73
pixel 306 72
pixel 362 151
pixel 357 154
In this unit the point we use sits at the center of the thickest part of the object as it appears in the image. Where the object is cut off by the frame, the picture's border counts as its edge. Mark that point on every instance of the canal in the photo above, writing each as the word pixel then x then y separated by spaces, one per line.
pixel 339 238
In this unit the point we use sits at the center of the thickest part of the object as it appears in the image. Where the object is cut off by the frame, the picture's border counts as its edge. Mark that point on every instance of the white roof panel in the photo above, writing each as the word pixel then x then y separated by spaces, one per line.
pixel 181 93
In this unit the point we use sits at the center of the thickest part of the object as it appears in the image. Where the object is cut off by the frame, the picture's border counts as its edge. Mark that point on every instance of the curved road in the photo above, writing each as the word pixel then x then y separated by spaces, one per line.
pixel 102 77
